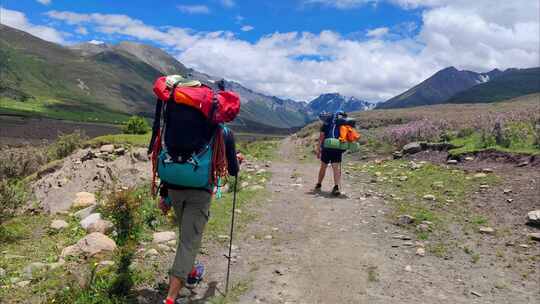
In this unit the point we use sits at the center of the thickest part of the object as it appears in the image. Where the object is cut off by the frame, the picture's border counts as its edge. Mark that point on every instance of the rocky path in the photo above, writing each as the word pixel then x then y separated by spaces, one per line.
pixel 311 248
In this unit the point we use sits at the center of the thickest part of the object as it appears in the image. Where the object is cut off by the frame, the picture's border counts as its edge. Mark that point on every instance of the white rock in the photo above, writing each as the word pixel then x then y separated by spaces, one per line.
pixel 102 226
pixel 408 268
pixel 59 224
pixel 84 213
pixel 107 149
pixel 421 252
pixel 84 199
pixel 163 237
pixel 452 162
pixel 480 175
pixel 23 284
pixel 172 243
pixel 429 197
pixel 533 217
pixel 95 243
pixel 268 237
pixel 2 273
pixel 89 220
pixel 486 230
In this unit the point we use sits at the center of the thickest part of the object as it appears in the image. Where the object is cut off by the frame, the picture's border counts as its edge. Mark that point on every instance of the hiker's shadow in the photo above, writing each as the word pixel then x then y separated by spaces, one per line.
pixel 152 296
pixel 326 194
pixel 209 293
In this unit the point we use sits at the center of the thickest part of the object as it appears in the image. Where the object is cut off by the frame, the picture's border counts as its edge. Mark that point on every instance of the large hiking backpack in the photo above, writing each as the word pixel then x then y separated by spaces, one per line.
pixel 218 106
pixel 190 132
pixel 335 123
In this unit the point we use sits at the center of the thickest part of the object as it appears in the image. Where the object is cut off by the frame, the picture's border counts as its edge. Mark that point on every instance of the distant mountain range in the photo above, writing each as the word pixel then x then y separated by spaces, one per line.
pixel 454 86
pixel 101 78
pixel 335 101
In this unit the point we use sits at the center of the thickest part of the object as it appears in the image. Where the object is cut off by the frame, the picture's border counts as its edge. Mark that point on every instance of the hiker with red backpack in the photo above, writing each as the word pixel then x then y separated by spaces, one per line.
pixel 337 135
pixel 192 154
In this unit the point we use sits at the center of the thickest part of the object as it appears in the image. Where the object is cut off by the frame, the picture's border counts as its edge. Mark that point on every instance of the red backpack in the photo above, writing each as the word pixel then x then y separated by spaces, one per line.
pixel 219 107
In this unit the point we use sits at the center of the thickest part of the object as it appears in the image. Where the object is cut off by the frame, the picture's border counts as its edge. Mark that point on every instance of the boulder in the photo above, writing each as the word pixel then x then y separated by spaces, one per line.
pixel 84 199
pixel 107 149
pixel 102 226
pixel 140 154
pixel 412 148
pixel 72 250
pixel 95 243
pixel 163 237
pixel 89 220
pixel 84 213
pixel 59 225
pixel 30 270
pixel 533 218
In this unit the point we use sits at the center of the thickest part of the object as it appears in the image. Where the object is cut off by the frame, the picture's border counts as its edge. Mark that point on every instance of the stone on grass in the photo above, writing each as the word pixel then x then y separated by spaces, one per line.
pixel 256 188
pixel 412 148
pixel 486 230
pixel 533 218
pixel 2 273
pixel 421 252
pixel 469 158
pixel 430 197
pixel 102 226
pixel 59 224
pixel 84 213
pixel 163 237
pixel 95 243
pixel 84 199
pixel 32 269
pixel 405 219
pixel 89 220
pixel 107 149
pixel 534 236
pixel 480 175
pixel 452 162
pixel 72 250
pixel 437 185
pixel 23 284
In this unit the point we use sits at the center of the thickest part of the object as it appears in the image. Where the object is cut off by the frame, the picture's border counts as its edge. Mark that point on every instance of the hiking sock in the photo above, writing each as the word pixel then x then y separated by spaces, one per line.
pixel 169 301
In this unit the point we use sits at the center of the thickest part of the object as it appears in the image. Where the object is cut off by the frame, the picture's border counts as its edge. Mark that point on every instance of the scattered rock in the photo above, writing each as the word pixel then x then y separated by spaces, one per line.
pixel 268 237
pixel 140 154
pixel 480 175
pixel 534 236
pixel 100 165
pixel 107 149
pixel 172 243
pixel 223 237
pixel 397 155
pixel 106 263
pixel 59 224
pixel 469 158
pixel 89 220
pixel 438 185
pixel 2 273
pixel 452 162
pixel 430 197
pixel 261 171
pixel 72 250
pixel 84 199
pixel 163 247
pixel 476 293
pixel 523 164
pixel 412 148
pixel 402 237
pixel 30 270
pixel 405 219
pixel 421 252
pixel 163 237
pixel 507 191
pixel 84 213
pixel 422 227
pixel 60 263
pixel 23 284
pixel 256 188
pixel 151 252
pixel 244 184
pixel 510 200
pixel 120 151
pixel 533 218
pixel 95 243
pixel 102 226
pixel 484 187
pixel 486 230
pixel 408 268
pixel 487 170
pixel 403 178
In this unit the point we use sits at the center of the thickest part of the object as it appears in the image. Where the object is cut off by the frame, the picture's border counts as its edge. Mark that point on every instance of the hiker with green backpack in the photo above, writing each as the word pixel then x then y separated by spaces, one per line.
pixel 337 135
pixel 192 153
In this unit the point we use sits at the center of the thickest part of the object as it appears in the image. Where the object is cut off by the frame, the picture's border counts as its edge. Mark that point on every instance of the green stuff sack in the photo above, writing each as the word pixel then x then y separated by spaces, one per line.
pixel 353 147
pixel 332 143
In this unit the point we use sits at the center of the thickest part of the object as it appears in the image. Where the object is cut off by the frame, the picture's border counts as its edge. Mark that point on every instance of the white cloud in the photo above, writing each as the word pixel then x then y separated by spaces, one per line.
pixel 194 9
pixel 19 21
pixel 228 3
pixel 247 28
pixel 44 2
pixel 478 35
pixel 378 32
pixel 340 4
pixel 96 42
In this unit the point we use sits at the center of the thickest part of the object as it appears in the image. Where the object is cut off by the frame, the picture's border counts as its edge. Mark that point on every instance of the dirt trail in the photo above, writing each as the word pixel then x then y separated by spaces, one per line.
pixel 326 250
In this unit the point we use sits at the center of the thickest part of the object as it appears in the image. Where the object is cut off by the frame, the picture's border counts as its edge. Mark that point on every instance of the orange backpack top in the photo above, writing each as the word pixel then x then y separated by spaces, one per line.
pixel 348 134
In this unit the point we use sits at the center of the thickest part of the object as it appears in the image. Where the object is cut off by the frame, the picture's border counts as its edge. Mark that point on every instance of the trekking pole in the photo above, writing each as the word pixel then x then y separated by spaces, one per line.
pixel 231 234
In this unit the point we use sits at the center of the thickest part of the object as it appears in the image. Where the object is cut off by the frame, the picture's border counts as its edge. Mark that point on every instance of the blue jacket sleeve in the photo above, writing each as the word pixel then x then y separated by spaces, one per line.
pixel 230 151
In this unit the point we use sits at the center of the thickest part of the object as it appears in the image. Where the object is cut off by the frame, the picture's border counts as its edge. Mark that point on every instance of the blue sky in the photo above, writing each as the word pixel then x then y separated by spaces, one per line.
pixel 370 49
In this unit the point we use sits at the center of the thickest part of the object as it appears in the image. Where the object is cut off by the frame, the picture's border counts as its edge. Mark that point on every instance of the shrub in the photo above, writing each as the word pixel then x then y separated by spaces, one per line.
pixel 13 194
pixel 21 162
pixel 135 125
pixel 65 145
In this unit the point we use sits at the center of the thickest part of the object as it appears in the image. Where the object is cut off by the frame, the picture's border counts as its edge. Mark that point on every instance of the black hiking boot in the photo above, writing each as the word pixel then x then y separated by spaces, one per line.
pixel 317 188
pixel 335 191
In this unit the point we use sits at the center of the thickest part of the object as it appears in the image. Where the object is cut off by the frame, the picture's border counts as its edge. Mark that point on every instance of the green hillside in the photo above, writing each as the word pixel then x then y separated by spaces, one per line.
pixel 510 84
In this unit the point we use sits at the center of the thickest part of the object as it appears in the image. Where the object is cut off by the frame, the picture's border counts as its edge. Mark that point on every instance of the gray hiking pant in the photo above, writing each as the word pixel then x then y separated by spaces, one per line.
pixel 192 209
